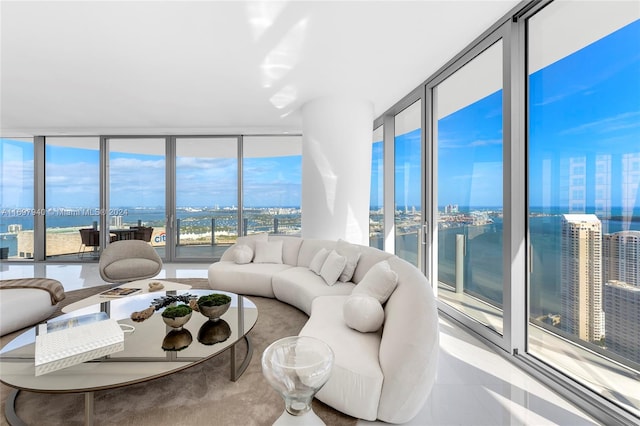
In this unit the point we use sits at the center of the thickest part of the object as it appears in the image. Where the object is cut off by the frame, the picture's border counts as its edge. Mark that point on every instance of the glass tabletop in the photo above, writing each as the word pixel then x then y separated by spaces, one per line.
pixel 152 350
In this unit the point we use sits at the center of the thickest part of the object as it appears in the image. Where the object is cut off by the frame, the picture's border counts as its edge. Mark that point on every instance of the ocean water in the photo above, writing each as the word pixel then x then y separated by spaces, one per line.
pixel 483 260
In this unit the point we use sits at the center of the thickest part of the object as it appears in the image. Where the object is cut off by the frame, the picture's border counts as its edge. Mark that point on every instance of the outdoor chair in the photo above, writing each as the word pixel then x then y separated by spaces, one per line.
pixel 90 238
pixel 143 233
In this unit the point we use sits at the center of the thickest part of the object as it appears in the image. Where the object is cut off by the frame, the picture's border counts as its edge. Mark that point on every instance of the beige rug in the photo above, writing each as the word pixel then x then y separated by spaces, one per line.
pixel 201 395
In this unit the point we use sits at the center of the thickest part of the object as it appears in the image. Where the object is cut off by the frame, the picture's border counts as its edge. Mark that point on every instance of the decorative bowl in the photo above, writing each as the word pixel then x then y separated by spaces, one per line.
pixel 213 305
pixel 177 322
pixel 177 340
pixel 213 332
pixel 214 312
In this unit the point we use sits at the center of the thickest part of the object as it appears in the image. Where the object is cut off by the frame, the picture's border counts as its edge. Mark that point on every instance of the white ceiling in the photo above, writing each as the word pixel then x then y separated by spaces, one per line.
pixel 215 67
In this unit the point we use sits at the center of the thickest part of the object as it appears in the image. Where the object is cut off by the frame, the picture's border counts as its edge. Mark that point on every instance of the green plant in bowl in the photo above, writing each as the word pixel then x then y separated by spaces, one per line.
pixel 176 311
pixel 214 305
pixel 177 316
pixel 214 299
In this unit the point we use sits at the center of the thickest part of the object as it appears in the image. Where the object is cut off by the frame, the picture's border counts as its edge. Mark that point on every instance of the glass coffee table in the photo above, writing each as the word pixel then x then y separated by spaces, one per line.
pixel 151 351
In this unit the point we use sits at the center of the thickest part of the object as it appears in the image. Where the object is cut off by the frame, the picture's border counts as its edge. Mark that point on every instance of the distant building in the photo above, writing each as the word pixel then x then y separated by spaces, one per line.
pixel 581 277
pixel 621 263
pixel 621 257
pixel 622 308
pixel 451 208
pixel 116 221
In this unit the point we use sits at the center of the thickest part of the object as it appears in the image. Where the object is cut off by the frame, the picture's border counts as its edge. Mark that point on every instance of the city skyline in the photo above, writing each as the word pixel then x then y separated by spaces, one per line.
pixel 600 285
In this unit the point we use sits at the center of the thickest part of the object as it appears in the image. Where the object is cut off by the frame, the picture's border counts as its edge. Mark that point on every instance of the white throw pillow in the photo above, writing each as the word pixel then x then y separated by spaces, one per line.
pixel 352 254
pixel 268 252
pixel 242 254
pixel 378 282
pixel 332 267
pixel 363 313
pixel 250 240
pixel 318 260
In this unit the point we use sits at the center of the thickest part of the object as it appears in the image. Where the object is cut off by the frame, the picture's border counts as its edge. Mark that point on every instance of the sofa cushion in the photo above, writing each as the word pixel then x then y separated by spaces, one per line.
pixel 229 254
pixel 369 257
pixel 250 240
pixel 247 240
pixel 318 260
pixel 125 268
pixel 290 248
pixel 268 252
pixel 298 287
pixel 379 282
pixel 332 267
pixel 242 254
pixel 363 313
pixel 356 379
pixel 252 278
pixel 352 253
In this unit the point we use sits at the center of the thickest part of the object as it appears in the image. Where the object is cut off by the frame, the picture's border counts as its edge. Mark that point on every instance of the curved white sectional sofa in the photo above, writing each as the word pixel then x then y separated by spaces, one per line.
pixel 385 374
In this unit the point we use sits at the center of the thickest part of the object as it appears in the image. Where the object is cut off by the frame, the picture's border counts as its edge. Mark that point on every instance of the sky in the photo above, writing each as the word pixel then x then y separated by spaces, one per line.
pixel 584 107
pixel 139 180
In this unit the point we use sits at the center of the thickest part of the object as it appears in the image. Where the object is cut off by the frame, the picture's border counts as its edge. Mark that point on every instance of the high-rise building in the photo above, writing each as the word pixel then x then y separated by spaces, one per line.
pixel 116 221
pixel 621 257
pixel 581 276
pixel 451 208
pixel 622 309
pixel 621 272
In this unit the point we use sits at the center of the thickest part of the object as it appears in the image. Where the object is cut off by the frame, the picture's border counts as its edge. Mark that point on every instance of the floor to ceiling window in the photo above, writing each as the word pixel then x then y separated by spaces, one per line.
pixel 272 184
pixel 376 202
pixel 190 198
pixel 72 188
pixel 408 187
pixel 137 190
pixel 584 194
pixel 468 122
pixel 206 196
pixel 16 198
pixel 535 198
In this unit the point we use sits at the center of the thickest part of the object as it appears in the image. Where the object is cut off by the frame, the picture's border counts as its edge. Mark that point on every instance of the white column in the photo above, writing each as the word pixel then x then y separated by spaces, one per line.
pixel 336 169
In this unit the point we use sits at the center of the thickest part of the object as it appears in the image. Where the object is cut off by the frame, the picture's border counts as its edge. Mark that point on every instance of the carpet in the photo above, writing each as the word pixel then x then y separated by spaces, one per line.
pixel 202 394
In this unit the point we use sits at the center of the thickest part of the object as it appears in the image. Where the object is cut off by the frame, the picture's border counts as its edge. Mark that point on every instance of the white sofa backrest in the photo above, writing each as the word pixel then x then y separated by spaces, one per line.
pixel 290 248
pixel 310 247
pixel 410 341
pixel 369 256
pixel 298 251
